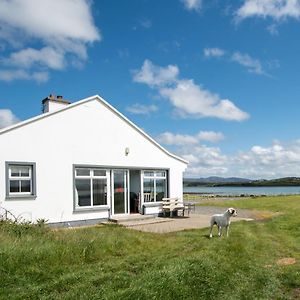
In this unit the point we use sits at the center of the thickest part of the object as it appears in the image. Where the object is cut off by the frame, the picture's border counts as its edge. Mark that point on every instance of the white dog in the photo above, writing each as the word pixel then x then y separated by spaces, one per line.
pixel 222 220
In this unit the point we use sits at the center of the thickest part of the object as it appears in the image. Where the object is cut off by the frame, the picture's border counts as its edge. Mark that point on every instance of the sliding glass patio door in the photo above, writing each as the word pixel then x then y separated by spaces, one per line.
pixel 120 192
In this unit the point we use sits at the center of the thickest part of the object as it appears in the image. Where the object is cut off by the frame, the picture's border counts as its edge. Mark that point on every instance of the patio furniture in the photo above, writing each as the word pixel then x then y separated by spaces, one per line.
pixel 148 197
pixel 189 206
pixel 172 205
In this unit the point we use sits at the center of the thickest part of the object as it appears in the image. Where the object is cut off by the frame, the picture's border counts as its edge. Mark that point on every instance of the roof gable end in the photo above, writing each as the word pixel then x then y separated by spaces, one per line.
pixel 101 101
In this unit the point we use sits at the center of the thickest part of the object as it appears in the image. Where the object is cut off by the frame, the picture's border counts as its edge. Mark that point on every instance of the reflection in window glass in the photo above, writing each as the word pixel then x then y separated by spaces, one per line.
pixel 83 188
pixel 148 190
pixel 119 191
pixel 160 174
pixel 25 186
pixel 149 173
pixel 24 171
pixel 15 172
pixel 99 172
pixel 99 192
pixel 83 172
pixel 160 189
pixel 14 186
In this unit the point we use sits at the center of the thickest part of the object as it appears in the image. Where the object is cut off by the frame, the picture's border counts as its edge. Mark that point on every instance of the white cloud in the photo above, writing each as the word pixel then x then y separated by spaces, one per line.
pixel 211 136
pixel 276 160
pixel 7 118
pixel 50 20
pixel 154 75
pixel 188 98
pixel 204 160
pixel 46 56
pixel 64 29
pixel 192 4
pixel 276 9
pixel 140 109
pixel 213 52
pixel 253 65
pixel 191 100
pixel 10 75
pixel 169 138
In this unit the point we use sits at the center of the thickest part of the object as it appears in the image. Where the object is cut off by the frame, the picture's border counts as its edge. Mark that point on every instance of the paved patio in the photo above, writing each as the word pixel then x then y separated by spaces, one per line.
pixel 165 225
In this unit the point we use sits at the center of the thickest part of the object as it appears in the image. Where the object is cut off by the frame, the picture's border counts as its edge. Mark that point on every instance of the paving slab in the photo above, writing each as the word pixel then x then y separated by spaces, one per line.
pixel 165 225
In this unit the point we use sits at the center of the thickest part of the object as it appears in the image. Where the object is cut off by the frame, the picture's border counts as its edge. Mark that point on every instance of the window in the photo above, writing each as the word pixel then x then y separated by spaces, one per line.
pixel 91 187
pixel 20 179
pixel 155 185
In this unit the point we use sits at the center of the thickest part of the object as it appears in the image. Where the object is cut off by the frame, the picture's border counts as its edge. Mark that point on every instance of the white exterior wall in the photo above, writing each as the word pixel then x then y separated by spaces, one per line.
pixel 87 134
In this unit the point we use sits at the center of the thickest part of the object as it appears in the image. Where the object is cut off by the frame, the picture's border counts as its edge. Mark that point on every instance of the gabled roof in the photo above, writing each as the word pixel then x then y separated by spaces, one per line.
pixel 83 101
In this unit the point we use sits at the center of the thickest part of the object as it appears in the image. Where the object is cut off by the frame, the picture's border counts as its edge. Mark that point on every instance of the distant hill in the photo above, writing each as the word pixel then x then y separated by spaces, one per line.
pixel 236 181
pixel 215 179
pixel 285 181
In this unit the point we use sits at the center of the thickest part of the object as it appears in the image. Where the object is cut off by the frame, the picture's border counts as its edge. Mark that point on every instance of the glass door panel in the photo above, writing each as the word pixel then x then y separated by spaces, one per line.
pixel 120 191
pixel 160 189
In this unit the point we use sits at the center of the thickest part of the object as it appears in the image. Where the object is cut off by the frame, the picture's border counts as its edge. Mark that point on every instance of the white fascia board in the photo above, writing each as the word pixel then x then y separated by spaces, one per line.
pixel 85 100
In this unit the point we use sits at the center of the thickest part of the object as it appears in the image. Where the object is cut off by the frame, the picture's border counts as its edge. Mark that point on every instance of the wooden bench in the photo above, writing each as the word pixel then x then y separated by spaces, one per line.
pixel 171 205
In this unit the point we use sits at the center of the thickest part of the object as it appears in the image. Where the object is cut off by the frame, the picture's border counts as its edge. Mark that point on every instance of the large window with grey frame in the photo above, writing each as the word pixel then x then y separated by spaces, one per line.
pixel 154 185
pixel 91 187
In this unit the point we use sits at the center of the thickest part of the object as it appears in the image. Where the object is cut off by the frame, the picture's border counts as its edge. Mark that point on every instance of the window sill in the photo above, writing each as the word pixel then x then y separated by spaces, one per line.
pixel 91 209
pixel 20 197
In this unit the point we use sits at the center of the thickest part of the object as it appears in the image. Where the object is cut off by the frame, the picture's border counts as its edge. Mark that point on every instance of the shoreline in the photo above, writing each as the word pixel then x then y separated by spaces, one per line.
pixel 242 195
pixel 242 191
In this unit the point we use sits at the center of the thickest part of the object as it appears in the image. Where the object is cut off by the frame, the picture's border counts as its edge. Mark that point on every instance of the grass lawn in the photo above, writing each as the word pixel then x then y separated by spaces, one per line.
pixel 111 262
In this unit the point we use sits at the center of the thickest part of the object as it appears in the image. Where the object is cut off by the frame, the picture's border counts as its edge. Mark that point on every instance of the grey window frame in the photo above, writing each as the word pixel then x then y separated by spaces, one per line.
pixel 9 195
pixel 78 209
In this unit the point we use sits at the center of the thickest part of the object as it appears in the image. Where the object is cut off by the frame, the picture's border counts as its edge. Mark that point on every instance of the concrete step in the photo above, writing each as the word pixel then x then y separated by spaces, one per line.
pixel 131 218
pixel 145 222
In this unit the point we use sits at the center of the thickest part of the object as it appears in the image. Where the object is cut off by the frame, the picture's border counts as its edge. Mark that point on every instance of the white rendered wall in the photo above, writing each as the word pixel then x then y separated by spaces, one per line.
pixel 87 134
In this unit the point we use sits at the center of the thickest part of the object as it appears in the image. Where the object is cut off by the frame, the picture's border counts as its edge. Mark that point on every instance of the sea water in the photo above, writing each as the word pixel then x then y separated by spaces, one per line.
pixel 244 190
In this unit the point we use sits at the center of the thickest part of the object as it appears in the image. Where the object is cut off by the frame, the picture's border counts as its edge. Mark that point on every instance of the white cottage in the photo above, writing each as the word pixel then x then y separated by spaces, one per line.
pixel 82 163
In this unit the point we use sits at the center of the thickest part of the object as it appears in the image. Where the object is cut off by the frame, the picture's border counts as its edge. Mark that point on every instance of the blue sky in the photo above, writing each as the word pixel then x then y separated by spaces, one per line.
pixel 216 82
